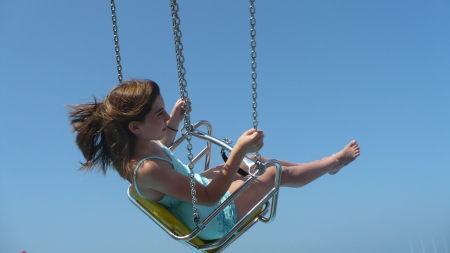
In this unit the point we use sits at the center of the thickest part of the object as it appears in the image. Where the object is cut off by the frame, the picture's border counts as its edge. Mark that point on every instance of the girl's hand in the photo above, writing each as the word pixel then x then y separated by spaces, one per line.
pixel 251 141
pixel 177 114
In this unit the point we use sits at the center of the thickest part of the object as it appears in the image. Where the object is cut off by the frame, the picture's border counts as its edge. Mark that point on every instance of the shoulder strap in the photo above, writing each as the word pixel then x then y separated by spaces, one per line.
pixel 139 165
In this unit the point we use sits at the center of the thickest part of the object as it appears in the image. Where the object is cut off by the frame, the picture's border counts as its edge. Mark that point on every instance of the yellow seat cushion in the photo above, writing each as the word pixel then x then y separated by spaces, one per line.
pixel 171 222
pixel 165 217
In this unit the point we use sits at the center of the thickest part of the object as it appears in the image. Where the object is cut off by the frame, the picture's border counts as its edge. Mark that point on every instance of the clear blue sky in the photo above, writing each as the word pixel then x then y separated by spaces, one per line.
pixel 328 72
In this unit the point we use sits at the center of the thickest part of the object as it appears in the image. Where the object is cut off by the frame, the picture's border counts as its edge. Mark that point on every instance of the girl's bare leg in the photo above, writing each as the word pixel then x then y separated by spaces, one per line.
pixel 293 175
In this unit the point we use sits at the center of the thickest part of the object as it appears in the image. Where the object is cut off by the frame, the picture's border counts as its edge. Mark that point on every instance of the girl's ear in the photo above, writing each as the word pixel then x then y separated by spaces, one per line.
pixel 134 127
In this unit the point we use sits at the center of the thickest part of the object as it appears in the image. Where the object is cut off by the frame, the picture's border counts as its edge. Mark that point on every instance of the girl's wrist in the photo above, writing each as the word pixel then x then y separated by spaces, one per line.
pixel 171 128
pixel 172 125
pixel 238 152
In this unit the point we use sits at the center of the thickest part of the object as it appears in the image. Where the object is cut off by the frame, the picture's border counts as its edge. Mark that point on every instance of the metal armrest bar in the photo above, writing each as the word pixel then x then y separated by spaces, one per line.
pixel 208 137
pixel 249 162
pixel 275 191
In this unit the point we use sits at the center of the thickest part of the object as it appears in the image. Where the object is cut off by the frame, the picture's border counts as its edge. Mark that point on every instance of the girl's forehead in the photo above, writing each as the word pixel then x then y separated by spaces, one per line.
pixel 159 102
pixel 159 99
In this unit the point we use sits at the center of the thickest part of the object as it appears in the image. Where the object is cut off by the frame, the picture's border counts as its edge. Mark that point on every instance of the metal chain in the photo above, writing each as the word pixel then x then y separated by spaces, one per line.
pixel 184 95
pixel 253 65
pixel 116 40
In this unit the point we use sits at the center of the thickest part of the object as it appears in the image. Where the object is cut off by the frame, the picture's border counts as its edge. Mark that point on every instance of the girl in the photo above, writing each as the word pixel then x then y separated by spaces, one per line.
pixel 130 132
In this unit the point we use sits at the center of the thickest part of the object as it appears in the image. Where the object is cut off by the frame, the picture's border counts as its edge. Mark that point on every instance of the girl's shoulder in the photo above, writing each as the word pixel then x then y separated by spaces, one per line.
pixel 151 167
pixel 156 150
pixel 145 159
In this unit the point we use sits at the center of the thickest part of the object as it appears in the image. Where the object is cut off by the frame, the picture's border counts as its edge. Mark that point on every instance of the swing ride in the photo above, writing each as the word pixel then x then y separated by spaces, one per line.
pixel 264 210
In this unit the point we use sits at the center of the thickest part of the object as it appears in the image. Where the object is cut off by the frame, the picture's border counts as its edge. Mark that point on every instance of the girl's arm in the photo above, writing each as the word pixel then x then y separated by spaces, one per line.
pixel 159 175
pixel 251 141
pixel 176 116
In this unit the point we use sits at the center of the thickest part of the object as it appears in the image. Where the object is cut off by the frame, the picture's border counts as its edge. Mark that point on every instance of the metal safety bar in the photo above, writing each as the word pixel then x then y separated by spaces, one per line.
pixel 206 151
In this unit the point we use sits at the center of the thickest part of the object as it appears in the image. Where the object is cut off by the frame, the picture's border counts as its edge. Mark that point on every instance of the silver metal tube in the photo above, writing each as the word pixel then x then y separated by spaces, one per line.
pixel 249 162
pixel 176 143
pixel 232 235
pixel 202 153
pixel 275 189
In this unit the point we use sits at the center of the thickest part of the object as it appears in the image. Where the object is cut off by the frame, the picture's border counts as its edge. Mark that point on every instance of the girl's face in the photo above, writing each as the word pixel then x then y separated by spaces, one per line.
pixel 154 126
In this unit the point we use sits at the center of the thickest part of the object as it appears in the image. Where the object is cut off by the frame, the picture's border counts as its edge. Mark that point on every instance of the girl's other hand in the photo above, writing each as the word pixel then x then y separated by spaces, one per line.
pixel 178 111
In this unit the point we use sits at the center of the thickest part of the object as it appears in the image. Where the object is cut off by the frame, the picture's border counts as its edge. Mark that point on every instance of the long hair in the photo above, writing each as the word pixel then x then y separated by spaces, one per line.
pixel 102 127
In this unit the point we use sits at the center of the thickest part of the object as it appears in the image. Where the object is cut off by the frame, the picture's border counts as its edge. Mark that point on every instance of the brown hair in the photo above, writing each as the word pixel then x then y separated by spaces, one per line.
pixel 102 127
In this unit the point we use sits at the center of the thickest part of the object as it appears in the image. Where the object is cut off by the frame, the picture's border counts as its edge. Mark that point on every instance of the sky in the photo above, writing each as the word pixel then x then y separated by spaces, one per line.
pixel 328 72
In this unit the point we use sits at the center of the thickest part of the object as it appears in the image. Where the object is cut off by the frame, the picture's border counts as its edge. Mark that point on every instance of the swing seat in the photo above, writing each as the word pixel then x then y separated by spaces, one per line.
pixel 163 217
pixel 172 225
pixel 178 231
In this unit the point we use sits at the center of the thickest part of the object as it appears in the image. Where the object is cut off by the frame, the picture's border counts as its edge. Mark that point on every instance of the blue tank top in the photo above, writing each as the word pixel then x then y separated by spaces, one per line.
pixel 220 225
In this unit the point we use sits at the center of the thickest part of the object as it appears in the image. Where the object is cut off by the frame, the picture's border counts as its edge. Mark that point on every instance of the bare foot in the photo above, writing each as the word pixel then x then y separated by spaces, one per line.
pixel 347 155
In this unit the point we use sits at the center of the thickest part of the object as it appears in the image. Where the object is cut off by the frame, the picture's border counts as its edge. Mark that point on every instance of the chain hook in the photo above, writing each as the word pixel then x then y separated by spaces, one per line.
pixel 257 169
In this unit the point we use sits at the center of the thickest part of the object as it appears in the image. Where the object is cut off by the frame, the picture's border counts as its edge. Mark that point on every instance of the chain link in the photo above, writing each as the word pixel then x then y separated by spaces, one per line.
pixel 116 41
pixel 254 65
pixel 184 95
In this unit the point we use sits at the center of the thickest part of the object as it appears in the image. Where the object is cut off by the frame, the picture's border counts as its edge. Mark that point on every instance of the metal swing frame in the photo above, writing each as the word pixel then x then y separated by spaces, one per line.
pixel 264 211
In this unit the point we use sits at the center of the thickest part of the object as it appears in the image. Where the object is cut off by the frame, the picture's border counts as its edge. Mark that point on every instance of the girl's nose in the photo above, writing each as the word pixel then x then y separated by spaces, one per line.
pixel 167 115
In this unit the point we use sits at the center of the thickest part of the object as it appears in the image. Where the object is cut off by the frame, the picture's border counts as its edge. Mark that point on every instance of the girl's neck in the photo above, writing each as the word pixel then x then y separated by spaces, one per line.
pixel 145 148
